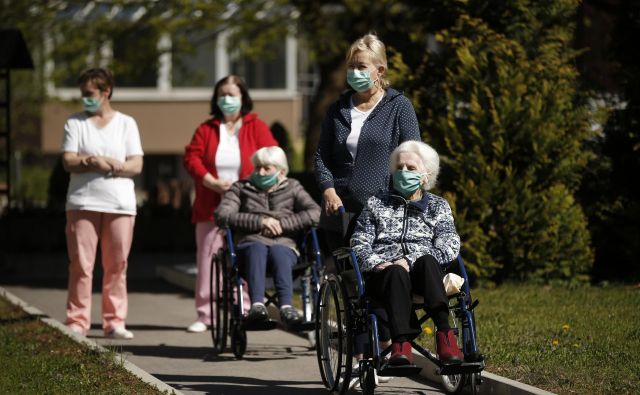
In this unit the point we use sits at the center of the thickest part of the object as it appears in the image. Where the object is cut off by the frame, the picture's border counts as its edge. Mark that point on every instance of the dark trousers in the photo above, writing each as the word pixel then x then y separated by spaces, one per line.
pixel 393 287
pixel 254 257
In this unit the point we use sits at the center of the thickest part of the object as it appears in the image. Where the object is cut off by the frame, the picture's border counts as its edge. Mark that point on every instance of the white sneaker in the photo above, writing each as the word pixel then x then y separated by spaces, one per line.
pixel 197 327
pixel 120 333
pixel 354 382
pixel 382 379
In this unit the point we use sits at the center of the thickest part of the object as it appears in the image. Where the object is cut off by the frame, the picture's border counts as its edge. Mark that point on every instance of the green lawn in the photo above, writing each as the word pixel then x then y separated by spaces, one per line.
pixel 38 359
pixel 584 340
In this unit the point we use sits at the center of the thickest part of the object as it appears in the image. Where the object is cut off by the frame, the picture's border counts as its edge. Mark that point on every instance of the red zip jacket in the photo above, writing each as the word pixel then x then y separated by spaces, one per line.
pixel 200 158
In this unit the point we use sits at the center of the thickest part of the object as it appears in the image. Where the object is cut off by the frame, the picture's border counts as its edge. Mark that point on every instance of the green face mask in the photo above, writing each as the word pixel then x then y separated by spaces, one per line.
pixel 359 80
pixel 91 104
pixel 264 182
pixel 229 104
pixel 406 182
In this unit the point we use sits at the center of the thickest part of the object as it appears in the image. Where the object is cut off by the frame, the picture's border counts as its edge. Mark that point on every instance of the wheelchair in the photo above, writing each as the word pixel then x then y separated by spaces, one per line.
pixel 227 298
pixel 344 310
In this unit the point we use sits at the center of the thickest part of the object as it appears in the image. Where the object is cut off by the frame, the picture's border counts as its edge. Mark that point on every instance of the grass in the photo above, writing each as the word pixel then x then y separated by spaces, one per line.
pixel 584 340
pixel 38 359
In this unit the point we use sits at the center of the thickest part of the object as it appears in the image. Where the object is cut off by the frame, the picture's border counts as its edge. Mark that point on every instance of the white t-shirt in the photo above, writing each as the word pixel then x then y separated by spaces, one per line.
pixel 357 120
pixel 119 139
pixel 228 154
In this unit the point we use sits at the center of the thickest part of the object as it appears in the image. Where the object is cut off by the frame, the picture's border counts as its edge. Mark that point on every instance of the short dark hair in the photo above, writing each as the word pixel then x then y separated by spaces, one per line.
pixel 247 103
pixel 101 77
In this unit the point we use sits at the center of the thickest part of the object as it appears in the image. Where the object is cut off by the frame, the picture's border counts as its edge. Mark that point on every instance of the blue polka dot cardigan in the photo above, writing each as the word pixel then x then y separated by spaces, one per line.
pixel 391 122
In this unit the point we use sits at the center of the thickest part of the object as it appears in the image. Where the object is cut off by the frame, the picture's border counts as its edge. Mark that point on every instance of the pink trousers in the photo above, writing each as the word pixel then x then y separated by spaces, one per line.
pixel 208 241
pixel 115 233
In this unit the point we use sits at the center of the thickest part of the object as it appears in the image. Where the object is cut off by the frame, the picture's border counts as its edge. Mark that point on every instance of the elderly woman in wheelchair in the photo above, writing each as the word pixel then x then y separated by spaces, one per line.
pixel 402 244
pixel 403 240
pixel 266 212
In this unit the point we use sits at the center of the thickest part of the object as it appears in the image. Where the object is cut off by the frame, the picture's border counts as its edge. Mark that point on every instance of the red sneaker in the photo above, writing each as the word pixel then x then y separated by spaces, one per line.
pixel 447 347
pixel 401 354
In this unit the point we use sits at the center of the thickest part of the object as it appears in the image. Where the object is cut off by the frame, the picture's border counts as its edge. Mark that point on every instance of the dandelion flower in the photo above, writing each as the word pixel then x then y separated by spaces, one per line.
pixel 427 330
pixel 565 327
pixel 555 342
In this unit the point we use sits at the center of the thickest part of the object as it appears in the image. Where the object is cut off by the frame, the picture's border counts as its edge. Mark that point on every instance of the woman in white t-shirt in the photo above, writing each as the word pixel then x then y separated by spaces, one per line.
pixel 102 151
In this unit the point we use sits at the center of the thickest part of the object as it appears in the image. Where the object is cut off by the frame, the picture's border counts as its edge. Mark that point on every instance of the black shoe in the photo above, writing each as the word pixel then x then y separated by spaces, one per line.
pixel 258 312
pixel 290 316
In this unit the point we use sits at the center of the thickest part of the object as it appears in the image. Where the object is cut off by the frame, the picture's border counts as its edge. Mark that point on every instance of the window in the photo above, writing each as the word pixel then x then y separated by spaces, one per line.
pixel 135 57
pixel 194 67
pixel 267 72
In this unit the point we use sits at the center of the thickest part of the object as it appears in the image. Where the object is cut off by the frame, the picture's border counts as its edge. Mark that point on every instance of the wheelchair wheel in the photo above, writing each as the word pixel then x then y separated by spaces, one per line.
pixel 309 297
pixel 367 378
pixel 474 381
pixel 238 340
pixel 333 334
pixel 219 302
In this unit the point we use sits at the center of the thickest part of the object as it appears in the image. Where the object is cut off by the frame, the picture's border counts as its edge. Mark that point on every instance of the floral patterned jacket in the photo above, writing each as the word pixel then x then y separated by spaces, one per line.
pixel 390 228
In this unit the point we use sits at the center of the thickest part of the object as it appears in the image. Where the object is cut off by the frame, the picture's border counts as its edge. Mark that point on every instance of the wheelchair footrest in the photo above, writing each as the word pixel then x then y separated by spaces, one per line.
pixel 302 326
pixel 399 371
pixel 461 368
pixel 265 325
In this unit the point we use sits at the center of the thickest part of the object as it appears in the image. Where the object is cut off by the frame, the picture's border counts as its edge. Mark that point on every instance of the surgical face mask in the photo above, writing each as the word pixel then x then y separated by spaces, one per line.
pixel 91 104
pixel 406 182
pixel 359 80
pixel 229 104
pixel 264 182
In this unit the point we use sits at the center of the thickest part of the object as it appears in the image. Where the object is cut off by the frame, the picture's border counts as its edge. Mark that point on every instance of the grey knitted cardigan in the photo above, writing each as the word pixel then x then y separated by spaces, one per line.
pixel 390 228
pixel 244 205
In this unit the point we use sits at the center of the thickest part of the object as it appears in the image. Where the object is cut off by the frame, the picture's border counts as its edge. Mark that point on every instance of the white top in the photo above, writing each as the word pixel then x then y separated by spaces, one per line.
pixel 357 120
pixel 92 191
pixel 228 154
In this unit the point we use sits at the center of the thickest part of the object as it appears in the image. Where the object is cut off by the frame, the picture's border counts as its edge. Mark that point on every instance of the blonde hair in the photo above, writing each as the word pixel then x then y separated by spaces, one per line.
pixel 371 44
pixel 428 156
pixel 271 156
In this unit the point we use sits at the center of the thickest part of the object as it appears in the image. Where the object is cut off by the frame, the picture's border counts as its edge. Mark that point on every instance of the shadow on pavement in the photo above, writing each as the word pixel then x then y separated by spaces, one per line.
pixel 238 385
pixel 257 354
pixel 152 286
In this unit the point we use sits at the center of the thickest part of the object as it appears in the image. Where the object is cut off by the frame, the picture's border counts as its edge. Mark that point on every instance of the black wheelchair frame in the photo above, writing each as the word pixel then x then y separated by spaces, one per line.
pixel 344 310
pixel 229 317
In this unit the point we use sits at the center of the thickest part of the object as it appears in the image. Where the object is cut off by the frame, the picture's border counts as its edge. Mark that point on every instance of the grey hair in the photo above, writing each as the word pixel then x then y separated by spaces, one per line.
pixel 371 44
pixel 428 156
pixel 271 156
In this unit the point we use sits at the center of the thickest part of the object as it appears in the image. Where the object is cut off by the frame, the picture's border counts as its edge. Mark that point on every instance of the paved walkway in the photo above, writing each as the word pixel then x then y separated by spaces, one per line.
pixel 276 362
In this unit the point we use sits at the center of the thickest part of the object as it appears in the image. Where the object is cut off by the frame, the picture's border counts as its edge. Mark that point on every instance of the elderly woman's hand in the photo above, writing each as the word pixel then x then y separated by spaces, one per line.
pixel 381 266
pixel 331 201
pixel 402 262
pixel 271 227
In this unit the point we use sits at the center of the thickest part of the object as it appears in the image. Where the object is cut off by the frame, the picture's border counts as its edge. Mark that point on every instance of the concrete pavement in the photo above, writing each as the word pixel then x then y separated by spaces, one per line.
pixel 276 362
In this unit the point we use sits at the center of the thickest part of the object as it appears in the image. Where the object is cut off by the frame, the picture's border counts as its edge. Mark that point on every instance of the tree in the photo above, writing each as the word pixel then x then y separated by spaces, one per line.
pixel 501 103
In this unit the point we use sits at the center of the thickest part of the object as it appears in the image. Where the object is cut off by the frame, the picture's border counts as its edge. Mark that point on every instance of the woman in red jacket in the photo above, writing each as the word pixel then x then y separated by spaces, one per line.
pixel 218 155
